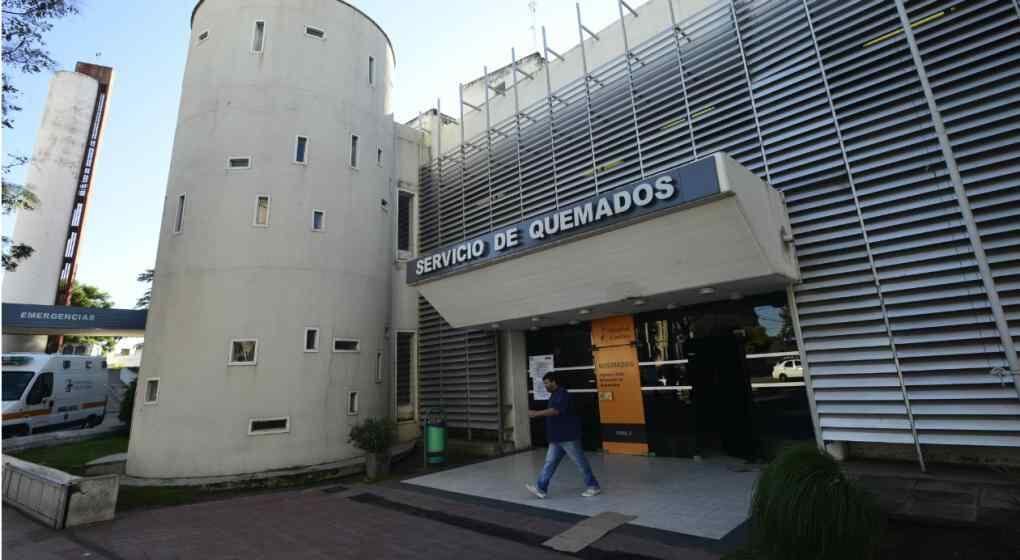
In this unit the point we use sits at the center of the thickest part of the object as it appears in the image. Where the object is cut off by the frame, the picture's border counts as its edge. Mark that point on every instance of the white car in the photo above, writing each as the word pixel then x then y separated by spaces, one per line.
pixel 787 369
pixel 48 392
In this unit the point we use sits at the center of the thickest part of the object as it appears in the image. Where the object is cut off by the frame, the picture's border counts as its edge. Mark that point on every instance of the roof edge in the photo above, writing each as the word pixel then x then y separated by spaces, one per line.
pixel 348 4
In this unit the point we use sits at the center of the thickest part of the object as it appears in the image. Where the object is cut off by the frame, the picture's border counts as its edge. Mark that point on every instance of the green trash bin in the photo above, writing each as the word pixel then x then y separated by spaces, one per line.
pixel 435 439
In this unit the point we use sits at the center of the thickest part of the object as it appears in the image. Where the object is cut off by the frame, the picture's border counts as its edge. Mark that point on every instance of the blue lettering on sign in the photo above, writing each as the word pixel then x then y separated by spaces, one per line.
pixel 669 189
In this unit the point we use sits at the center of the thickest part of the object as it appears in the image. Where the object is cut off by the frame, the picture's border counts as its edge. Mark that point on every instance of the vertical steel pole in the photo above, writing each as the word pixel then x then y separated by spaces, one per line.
pixel 630 84
pixel 587 98
pixel 517 121
pixel 488 144
pixel 439 167
pixel 463 160
pixel 683 79
pixel 750 90
pixel 867 243
pixel 552 120
pixel 1009 349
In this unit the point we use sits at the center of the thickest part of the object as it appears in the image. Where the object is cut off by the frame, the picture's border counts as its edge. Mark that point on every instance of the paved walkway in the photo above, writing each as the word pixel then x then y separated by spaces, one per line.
pixel 962 495
pixel 706 499
pixel 386 521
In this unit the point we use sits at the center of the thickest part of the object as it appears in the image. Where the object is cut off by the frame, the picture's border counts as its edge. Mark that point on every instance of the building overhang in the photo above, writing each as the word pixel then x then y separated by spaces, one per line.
pixel 726 234
pixel 80 321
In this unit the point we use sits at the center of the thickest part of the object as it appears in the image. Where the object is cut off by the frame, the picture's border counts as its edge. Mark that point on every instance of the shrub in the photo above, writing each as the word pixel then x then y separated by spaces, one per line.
pixel 374 435
pixel 805 508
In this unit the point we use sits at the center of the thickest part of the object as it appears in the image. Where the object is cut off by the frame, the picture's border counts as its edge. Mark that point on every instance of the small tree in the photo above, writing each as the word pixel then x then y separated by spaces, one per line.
pixel 87 295
pixel 146 299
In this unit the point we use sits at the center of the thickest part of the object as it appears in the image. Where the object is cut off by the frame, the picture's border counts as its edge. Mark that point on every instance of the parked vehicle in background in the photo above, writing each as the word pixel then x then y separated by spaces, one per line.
pixel 49 392
pixel 787 369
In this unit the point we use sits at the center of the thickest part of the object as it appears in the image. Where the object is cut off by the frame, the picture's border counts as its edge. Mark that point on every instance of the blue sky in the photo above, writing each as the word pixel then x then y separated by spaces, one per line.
pixel 437 44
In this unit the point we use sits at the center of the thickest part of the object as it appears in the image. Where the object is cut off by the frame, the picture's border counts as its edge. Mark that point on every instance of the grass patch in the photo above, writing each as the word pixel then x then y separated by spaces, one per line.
pixel 72 457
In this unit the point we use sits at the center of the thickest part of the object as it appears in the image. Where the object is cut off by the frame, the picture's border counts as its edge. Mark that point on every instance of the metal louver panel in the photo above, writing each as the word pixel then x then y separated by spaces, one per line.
pixel 457 372
pixel 824 100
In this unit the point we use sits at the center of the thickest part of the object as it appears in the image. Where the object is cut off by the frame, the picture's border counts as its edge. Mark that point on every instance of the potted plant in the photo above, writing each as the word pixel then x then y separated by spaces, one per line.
pixel 374 436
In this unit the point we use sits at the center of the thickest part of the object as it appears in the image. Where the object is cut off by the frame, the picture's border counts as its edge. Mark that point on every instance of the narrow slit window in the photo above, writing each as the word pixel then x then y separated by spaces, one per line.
pixel 258 426
pixel 259 37
pixel 203 36
pixel 179 216
pixel 378 157
pixel 346 345
pixel 318 220
pixel 315 32
pixel 352 403
pixel 379 367
pixel 354 150
pixel 151 391
pixel 405 363
pixel 262 210
pixel 311 340
pixel 405 205
pixel 239 163
pixel 301 150
pixel 371 70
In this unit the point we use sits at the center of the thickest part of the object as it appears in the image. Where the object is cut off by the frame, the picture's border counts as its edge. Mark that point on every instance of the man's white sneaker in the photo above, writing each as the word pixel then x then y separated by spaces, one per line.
pixel 591 492
pixel 534 490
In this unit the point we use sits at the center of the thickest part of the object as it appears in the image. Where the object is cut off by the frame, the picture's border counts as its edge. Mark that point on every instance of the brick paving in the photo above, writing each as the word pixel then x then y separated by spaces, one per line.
pixel 314 524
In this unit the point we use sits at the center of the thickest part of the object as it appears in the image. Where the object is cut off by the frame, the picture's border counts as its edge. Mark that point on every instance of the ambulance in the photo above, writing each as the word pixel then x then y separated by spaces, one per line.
pixel 50 392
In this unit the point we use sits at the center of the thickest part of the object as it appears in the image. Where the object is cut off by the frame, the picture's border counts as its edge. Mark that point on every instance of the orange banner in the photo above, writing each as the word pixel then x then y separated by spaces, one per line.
pixel 618 377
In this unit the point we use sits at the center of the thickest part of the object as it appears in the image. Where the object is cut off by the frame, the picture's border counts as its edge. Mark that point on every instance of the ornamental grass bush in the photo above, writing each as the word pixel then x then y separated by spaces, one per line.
pixel 805 508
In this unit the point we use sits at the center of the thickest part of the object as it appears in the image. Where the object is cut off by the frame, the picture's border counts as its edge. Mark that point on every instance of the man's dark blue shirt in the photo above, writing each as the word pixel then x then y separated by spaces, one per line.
pixel 565 426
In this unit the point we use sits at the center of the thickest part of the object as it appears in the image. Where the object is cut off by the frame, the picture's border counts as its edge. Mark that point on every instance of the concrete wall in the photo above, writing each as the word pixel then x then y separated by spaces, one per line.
pixel 53 176
pixel 56 498
pixel 222 278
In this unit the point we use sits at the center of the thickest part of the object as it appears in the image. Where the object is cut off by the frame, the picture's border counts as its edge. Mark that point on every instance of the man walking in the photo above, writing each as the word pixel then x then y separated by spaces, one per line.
pixel 563 431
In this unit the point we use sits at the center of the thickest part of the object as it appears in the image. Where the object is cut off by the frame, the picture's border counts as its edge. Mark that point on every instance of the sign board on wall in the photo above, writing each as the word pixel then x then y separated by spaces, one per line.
pixel 538 366
pixel 618 377
pixel 669 189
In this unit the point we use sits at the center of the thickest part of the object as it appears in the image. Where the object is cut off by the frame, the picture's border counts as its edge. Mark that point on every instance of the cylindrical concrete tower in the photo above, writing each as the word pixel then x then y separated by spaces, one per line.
pixel 267 335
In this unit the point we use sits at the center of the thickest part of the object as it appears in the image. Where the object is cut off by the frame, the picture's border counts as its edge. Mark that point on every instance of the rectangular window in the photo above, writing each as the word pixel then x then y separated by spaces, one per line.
pixel 203 36
pixel 262 210
pixel 371 70
pixel 315 32
pixel 346 345
pixel 405 207
pixel 378 367
pixel 311 340
pixel 352 403
pixel 301 150
pixel 179 216
pixel 239 163
pixel 263 426
pixel 259 37
pixel 318 220
pixel 151 390
pixel 405 367
pixel 354 150
pixel 243 352
pixel 378 157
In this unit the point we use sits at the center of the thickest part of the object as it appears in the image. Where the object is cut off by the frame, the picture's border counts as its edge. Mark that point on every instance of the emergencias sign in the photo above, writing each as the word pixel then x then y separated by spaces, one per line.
pixel 672 188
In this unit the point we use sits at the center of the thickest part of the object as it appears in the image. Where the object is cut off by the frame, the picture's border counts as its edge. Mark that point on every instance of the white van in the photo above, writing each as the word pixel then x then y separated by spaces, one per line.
pixel 48 392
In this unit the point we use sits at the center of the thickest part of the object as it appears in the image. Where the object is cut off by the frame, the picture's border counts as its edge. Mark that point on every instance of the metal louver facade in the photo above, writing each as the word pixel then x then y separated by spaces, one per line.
pixel 893 130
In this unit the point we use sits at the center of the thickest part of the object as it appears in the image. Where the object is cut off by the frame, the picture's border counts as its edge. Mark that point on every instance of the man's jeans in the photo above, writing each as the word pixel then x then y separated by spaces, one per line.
pixel 552 460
